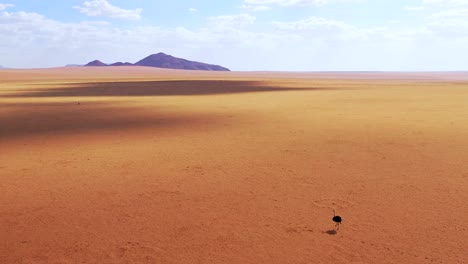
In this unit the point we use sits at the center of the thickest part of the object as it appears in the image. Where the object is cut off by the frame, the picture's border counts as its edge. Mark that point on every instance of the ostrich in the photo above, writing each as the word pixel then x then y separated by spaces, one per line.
pixel 337 220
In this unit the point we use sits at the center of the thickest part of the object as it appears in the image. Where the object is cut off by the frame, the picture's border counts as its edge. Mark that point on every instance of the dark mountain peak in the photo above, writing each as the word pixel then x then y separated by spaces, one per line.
pixel 162 60
pixel 158 56
pixel 96 63
pixel 122 64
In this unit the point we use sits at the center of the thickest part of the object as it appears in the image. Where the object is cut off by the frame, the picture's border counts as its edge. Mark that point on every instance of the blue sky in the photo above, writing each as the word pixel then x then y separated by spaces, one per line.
pixel 245 35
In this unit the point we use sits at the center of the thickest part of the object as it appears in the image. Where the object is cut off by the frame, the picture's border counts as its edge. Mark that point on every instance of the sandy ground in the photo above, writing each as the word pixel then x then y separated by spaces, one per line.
pixel 139 165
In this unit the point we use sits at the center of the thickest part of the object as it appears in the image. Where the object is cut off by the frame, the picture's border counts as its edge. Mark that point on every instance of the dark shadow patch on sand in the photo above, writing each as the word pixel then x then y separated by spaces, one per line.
pixel 156 88
pixel 330 232
pixel 25 118
pixel 31 119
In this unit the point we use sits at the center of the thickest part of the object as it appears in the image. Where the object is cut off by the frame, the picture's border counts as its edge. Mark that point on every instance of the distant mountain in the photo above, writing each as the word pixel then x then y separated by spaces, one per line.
pixel 162 60
pixel 73 65
pixel 96 63
pixel 122 64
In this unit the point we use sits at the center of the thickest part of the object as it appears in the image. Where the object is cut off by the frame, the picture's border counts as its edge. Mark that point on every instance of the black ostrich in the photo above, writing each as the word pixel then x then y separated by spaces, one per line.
pixel 337 220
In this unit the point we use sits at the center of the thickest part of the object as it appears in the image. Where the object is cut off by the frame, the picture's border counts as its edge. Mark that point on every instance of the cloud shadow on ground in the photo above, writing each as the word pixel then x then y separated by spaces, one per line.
pixel 58 118
pixel 40 117
pixel 156 88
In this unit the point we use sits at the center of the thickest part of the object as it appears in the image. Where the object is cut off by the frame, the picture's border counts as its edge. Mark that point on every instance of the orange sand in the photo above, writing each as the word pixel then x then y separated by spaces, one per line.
pixel 140 165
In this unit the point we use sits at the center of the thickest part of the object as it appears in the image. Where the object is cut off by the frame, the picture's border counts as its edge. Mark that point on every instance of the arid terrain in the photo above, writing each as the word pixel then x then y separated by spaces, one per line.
pixel 144 165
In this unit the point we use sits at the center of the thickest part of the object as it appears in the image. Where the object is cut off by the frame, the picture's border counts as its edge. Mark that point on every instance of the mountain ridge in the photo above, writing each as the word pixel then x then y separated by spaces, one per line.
pixel 96 63
pixel 162 60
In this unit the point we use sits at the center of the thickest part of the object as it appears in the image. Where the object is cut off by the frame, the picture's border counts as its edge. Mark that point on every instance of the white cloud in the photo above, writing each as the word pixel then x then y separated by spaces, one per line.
pixel 40 41
pixel 449 19
pixel 316 26
pixel 451 23
pixel 414 8
pixel 43 42
pixel 314 43
pixel 255 8
pixel 451 14
pixel 193 10
pixel 5 6
pixel 297 2
pixel 446 2
pixel 106 9
pixel 231 21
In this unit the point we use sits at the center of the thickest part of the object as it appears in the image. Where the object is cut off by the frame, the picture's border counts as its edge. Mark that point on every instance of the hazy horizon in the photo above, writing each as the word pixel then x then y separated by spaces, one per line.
pixel 242 35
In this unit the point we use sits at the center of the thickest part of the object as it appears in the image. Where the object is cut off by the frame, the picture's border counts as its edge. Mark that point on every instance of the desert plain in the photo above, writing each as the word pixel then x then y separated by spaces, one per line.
pixel 145 165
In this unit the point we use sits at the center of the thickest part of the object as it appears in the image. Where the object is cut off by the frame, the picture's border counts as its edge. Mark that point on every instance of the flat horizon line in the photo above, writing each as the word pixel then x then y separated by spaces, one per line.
pixel 241 71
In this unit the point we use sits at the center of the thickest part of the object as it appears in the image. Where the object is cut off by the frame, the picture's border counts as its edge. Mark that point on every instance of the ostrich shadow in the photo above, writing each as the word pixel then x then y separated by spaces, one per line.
pixel 331 232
